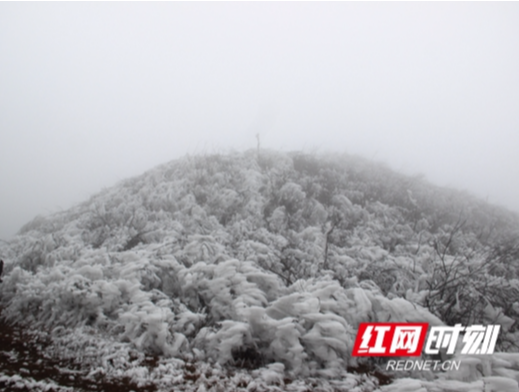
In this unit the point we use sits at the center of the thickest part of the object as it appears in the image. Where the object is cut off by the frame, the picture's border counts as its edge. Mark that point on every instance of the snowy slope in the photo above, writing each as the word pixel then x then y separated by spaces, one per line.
pixel 252 272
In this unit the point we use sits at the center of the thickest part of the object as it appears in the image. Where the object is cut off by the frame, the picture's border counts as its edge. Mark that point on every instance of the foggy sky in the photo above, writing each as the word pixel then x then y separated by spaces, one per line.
pixel 92 93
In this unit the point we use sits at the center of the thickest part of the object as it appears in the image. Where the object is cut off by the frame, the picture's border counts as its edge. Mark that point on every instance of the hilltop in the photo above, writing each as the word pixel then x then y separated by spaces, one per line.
pixel 253 270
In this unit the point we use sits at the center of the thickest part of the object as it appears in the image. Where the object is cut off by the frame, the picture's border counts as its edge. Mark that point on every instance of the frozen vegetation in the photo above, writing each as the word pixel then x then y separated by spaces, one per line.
pixel 251 272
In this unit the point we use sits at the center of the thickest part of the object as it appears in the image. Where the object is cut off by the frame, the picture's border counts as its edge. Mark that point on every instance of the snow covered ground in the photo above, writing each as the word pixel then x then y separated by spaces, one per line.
pixel 235 273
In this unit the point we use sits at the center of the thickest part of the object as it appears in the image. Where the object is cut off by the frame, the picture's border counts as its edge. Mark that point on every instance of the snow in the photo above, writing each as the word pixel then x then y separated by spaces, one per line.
pixel 225 269
pixel 17 382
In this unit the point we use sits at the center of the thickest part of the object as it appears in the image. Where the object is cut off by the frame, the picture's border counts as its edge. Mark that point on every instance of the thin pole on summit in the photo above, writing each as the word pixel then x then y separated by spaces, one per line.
pixel 258 146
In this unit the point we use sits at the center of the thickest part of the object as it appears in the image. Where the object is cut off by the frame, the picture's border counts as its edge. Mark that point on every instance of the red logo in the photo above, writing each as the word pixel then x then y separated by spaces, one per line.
pixel 390 339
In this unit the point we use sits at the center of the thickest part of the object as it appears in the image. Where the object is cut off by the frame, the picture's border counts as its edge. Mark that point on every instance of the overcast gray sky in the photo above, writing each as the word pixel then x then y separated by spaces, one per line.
pixel 92 93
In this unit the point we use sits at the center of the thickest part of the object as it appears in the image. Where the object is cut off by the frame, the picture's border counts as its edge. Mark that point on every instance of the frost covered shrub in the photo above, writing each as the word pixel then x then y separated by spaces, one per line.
pixel 201 248
pixel 224 204
pixel 224 288
pixel 309 328
pixel 291 196
pixel 74 297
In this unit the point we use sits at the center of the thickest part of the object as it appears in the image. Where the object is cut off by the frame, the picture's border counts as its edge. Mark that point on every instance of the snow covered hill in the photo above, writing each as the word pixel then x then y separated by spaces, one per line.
pixel 252 271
